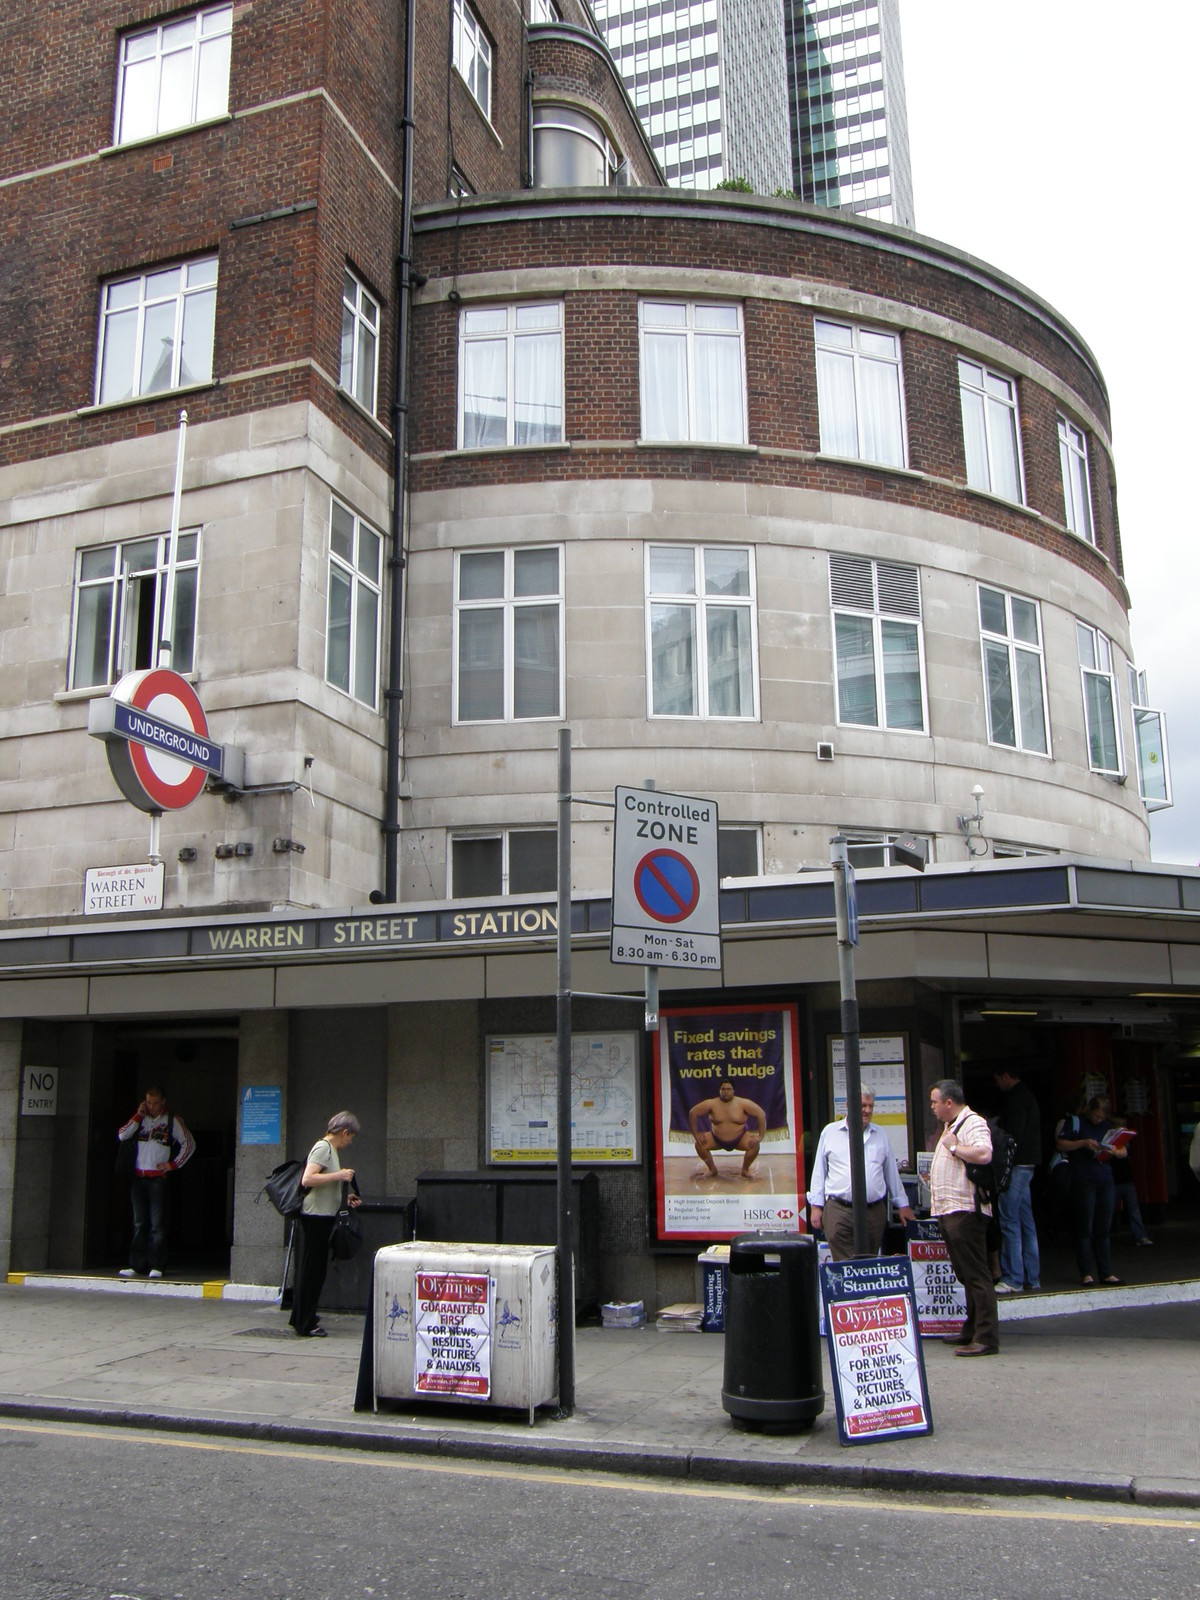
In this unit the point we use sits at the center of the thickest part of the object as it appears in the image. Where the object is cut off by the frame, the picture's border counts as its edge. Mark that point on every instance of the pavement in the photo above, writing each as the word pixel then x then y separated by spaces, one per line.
pixel 1094 1395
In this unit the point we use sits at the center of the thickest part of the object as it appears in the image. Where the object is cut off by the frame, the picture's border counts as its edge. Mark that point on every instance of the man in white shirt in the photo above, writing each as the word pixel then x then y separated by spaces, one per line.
pixel 829 1197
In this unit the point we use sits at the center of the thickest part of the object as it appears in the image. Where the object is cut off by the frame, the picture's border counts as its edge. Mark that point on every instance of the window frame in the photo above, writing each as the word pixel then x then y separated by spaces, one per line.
pixel 966 387
pixel 701 603
pixel 754 831
pixel 350 572
pixel 196 47
pixel 879 615
pixel 504 837
pixel 859 359
pixel 122 605
pixel 689 331
pixel 585 127
pixel 357 322
pixel 1012 646
pixel 187 294
pixel 509 604
pixel 467 32
pixel 512 334
pixel 1144 715
pixel 1102 651
pixel 1073 451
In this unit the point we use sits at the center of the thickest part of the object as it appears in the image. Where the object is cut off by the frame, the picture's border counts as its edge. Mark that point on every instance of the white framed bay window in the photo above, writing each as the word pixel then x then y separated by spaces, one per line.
pixel 860 393
pixel 174 74
pixel 508 635
pixel 879 649
pixel 991 431
pixel 693 372
pixel 510 376
pixel 1150 737
pixel 358 371
pixel 1101 719
pixel 120 595
pixel 473 55
pixel 355 606
pixel 502 862
pixel 701 632
pixel 1077 483
pixel 1014 670
pixel 156 331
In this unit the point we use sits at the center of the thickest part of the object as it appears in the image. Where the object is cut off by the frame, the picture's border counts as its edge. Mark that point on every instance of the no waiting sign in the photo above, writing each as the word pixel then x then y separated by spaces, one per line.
pixel 666 910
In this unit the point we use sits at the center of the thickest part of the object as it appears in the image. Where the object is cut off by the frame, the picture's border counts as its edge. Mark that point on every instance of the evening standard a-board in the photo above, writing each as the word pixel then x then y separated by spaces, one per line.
pixel 452 1334
pixel 875 1356
pixel 665 902
pixel 941 1298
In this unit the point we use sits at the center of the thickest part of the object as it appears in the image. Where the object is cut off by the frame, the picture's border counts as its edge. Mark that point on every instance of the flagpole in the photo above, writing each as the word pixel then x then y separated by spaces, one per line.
pixel 166 625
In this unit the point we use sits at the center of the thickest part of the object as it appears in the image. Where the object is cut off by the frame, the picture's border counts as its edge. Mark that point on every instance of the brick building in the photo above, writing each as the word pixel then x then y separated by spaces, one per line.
pixel 785 509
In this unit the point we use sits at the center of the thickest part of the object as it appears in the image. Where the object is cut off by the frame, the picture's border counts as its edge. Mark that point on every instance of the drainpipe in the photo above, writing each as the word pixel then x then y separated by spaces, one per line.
pixel 397 562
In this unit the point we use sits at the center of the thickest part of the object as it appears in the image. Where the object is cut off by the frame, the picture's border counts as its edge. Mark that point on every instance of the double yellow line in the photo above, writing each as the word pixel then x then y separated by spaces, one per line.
pixel 1100 1515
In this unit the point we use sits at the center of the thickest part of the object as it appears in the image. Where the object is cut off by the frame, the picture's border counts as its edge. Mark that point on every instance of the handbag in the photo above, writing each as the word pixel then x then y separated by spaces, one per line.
pixel 283 1188
pixel 346 1239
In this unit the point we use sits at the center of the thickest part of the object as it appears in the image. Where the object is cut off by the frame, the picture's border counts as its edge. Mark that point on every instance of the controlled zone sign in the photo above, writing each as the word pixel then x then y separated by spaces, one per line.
pixel 665 902
pixel 156 733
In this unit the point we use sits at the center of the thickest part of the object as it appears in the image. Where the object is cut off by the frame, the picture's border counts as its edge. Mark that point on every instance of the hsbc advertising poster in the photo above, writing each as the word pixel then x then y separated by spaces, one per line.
pixel 729 1156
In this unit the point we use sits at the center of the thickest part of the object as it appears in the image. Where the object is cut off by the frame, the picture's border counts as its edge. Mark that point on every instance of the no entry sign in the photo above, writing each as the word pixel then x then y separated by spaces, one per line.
pixel 666 910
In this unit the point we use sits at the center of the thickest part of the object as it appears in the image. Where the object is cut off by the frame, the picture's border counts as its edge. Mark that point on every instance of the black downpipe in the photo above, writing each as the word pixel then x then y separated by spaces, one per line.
pixel 394 690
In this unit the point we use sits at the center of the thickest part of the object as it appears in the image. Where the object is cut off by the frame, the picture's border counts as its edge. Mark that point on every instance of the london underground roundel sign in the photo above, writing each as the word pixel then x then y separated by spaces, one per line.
pixel 161 755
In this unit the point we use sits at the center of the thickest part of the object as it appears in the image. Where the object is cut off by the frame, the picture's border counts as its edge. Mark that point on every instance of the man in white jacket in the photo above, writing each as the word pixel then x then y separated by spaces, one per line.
pixel 163 1146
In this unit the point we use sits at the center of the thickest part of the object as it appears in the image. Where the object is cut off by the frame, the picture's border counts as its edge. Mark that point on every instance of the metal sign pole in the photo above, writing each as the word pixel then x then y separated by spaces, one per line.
pixel 566 1272
pixel 166 620
pixel 847 937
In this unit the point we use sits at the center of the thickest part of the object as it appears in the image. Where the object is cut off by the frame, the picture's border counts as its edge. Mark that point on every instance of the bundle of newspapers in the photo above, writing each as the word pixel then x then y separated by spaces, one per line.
pixel 683 1317
pixel 623 1314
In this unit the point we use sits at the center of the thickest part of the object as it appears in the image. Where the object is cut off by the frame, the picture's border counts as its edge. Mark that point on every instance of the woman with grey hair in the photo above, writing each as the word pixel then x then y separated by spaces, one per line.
pixel 322 1181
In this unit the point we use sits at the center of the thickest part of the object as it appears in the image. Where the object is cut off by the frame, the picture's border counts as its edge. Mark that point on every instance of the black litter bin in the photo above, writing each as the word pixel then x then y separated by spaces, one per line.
pixel 773 1373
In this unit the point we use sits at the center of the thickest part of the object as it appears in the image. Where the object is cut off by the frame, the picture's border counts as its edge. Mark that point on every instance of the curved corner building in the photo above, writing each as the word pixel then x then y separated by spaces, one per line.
pixel 782 507
pixel 492 435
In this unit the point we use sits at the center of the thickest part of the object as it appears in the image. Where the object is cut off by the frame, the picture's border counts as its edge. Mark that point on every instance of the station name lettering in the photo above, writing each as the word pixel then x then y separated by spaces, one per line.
pixel 522 919
pixel 374 930
pixel 268 936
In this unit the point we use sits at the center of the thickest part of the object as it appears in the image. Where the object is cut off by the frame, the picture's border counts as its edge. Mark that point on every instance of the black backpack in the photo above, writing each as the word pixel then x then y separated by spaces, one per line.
pixel 283 1188
pixel 992 1178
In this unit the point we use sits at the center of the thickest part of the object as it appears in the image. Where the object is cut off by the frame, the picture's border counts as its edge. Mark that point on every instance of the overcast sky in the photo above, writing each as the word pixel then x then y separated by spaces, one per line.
pixel 1040 143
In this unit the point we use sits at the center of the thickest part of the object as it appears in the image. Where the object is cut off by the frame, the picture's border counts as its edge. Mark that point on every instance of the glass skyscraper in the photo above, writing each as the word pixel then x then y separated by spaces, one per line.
pixel 804 96
pixel 709 81
pixel 849 122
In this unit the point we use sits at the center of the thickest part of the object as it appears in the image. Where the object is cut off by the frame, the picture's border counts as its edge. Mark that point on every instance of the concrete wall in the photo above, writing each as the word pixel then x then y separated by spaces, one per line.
pixel 259 488
pixel 434 1076
pixel 10 1100
pixel 258 1230
pixel 764 771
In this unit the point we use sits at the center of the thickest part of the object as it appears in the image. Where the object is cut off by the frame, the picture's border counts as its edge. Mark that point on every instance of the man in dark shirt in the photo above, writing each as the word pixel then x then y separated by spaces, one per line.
pixel 1020 1261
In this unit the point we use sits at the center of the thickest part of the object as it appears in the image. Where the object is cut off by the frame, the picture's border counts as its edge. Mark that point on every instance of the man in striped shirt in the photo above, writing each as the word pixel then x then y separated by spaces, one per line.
pixel 965 1141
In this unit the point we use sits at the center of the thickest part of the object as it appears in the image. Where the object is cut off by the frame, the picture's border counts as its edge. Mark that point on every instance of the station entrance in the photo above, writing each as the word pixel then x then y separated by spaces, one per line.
pixel 194 1062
